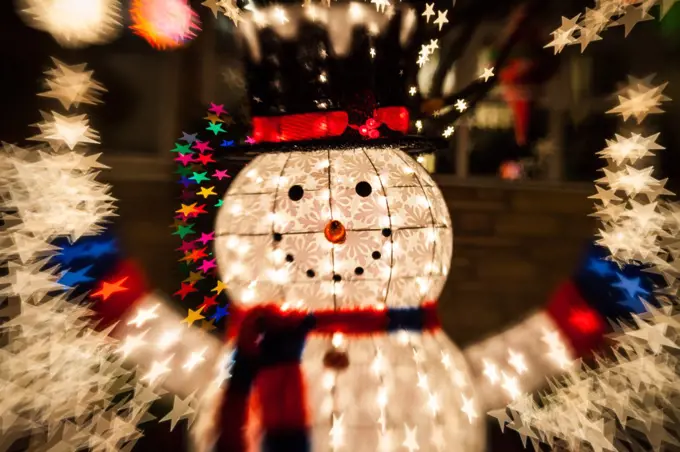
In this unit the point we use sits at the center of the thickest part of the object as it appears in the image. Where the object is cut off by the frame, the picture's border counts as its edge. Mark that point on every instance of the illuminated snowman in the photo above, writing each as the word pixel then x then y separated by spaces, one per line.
pixel 354 242
pixel 361 231
pixel 334 258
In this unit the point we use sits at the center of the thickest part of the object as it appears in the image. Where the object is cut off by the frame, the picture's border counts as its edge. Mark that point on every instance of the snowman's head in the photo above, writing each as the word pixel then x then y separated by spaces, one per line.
pixel 328 229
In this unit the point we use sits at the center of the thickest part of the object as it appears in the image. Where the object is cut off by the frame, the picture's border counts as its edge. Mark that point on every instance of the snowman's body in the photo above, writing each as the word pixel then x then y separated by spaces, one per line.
pixel 364 228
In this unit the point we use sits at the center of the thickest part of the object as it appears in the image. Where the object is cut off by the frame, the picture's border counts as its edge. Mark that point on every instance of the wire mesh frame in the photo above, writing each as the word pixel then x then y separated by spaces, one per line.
pixel 432 225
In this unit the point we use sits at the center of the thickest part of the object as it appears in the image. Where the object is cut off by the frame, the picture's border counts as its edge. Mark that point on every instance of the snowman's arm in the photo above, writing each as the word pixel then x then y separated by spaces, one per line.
pixel 184 377
pixel 121 298
pixel 576 316
pixel 537 342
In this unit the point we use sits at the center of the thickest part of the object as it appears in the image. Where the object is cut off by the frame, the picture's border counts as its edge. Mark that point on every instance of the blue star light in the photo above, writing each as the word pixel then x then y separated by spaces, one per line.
pixel 87 248
pixel 226 144
pixel 186 181
pixel 73 278
pixel 220 312
pixel 70 253
pixel 633 291
pixel 602 267
pixel 102 248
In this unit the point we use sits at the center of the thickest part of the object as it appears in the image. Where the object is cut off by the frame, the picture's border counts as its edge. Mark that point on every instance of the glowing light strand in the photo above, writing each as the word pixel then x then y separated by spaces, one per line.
pixel 629 395
pixel 587 27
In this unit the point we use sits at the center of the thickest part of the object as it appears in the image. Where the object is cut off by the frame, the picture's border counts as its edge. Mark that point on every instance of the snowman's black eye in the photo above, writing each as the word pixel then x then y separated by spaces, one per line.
pixel 289 258
pixel 376 255
pixel 310 273
pixel 296 192
pixel 363 189
pixel 359 271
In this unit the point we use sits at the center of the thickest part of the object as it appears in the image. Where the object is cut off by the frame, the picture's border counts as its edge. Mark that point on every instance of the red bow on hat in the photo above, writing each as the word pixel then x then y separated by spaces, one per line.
pixel 311 126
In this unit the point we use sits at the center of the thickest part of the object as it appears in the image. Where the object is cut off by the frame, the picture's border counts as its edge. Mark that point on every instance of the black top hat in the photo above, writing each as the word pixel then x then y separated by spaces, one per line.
pixel 339 73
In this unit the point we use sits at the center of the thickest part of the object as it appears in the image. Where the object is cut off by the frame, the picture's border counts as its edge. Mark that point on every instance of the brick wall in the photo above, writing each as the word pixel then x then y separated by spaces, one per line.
pixel 512 243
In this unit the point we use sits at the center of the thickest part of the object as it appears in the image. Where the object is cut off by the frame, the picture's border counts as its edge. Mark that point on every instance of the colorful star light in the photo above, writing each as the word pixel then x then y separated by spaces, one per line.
pixel 205 159
pixel 201 178
pixel 109 288
pixel 74 23
pixel 29 282
pixel 165 24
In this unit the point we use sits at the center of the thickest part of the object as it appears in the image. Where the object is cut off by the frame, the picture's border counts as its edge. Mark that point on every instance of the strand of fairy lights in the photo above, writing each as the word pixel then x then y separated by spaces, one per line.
pixel 586 27
pixel 643 378
pixel 632 224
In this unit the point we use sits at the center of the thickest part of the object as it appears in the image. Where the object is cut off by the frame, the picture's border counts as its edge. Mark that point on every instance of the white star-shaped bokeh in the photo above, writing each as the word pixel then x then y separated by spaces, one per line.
pixel 72 85
pixel 60 130
pixel 74 23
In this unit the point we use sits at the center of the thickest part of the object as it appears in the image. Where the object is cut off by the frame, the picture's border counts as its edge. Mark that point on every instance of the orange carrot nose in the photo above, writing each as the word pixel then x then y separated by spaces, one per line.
pixel 335 232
